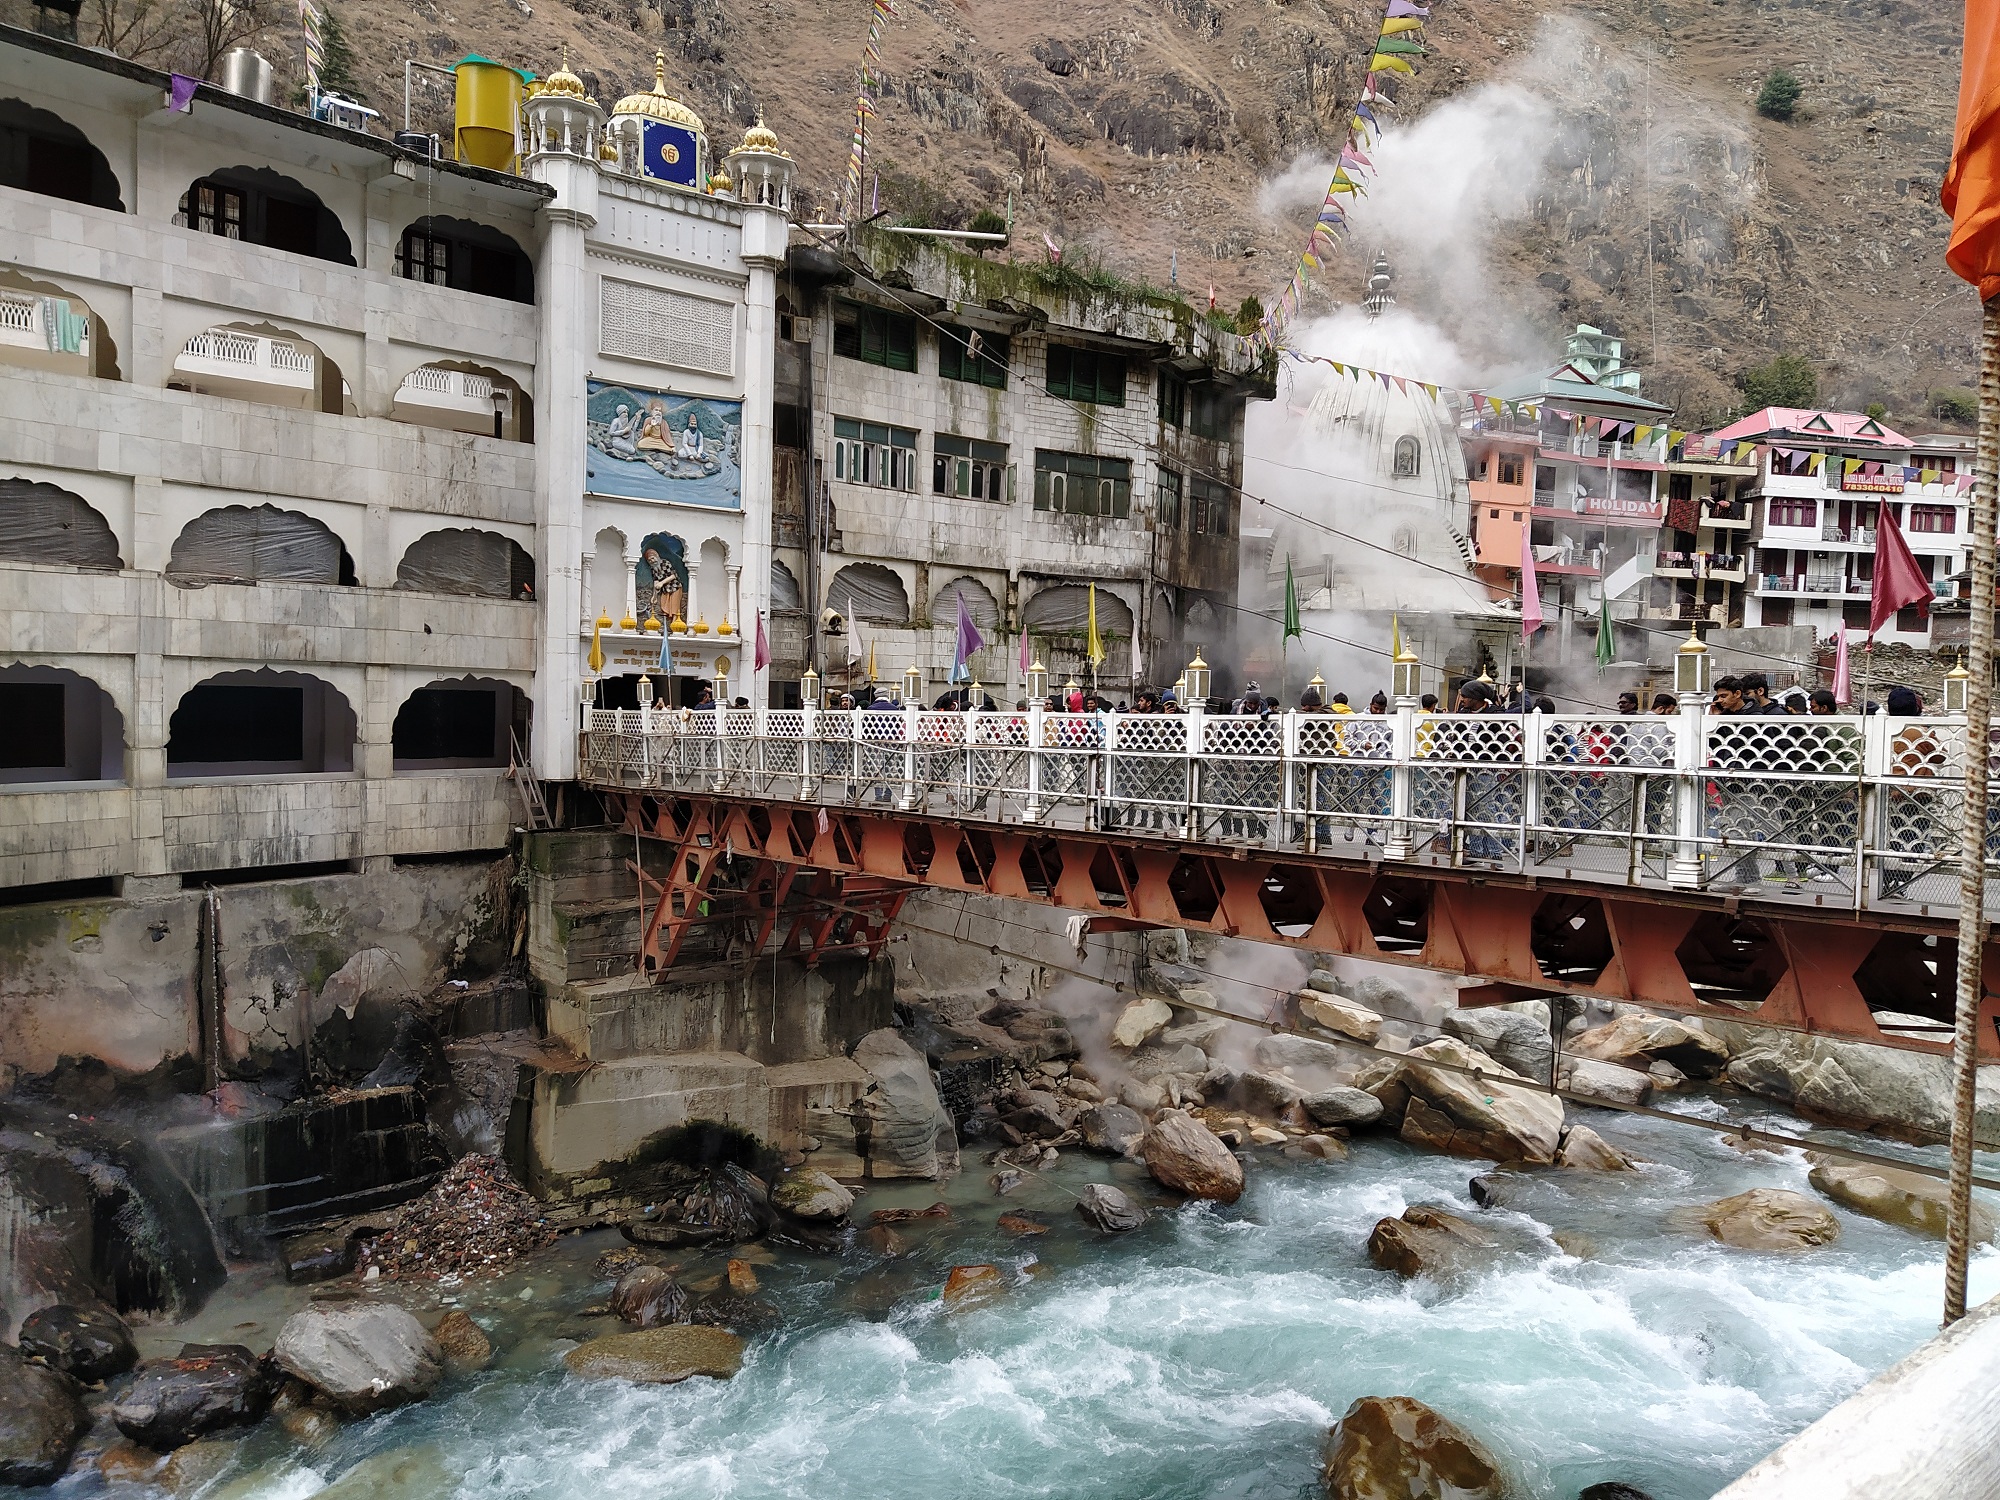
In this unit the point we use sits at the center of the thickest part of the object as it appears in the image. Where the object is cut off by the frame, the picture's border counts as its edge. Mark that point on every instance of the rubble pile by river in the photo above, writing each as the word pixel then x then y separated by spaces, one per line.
pixel 1178 1256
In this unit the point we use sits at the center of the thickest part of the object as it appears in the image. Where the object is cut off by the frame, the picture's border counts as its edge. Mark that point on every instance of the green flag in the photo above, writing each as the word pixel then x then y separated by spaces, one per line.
pixel 1292 625
pixel 1607 651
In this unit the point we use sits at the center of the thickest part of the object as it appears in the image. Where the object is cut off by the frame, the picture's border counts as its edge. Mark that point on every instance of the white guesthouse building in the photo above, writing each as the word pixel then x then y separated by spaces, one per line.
pixel 328 469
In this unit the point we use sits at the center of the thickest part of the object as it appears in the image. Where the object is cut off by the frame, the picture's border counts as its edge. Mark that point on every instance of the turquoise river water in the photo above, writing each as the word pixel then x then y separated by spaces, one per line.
pixel 1200 1358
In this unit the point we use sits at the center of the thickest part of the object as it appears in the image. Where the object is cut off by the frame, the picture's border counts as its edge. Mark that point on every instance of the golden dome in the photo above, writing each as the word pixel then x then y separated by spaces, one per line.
pixel 657 104
pixel 562 81
pixel 719 182
pixel 760 137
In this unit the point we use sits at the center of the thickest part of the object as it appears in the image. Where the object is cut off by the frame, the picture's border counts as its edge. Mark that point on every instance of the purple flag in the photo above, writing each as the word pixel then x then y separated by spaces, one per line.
pixel 762 658
pixel 1401 9
pixel 969 639
pixel 180 93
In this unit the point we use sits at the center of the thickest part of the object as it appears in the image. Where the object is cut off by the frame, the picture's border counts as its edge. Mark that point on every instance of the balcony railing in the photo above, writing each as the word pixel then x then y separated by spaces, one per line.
pixel 246 357
pixel 43 323
pixel 1832 531
pixel 1860 812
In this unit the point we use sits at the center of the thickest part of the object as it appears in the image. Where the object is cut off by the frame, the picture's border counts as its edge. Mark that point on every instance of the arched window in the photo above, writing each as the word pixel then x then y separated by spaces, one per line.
pixel 40 523
pixel 1406 458
pixel 460 725
pixel 257 544
pixel 261 723
pixel 870 592
pixel 467 256
pixel 262 207
pixel 60 727
pixel 482 563
pixel 44 153
pixel 1058 617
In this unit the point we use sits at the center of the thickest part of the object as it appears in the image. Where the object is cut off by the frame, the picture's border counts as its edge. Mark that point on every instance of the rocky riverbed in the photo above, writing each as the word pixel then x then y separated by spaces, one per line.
pixel 1179 1257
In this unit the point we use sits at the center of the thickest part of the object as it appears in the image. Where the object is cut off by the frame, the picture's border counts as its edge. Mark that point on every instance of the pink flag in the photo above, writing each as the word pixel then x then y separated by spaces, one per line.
pixel 762 659
pixel 1531 593
pixel 1026 659
pixel 1843 682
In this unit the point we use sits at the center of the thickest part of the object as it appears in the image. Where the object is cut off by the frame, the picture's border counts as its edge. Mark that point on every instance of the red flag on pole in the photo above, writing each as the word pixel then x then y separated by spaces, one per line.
pixel 1899 580
pixel 1843 678
pixel 762 658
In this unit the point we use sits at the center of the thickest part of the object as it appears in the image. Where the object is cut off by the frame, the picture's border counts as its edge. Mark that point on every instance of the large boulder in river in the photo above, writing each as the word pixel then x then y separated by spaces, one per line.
pixel 1114 1129
pixel 464 1343
pixel 658 1356
pixel 91 1343
pixel 1343 1017
pixel 1895 1197
pixel 1511 1039
pixel 1342 1106
pixel 1397 1448
pixel 809 1193
pixel 204 1389
pixel 1460 1101
pixel 1637 1040
pixel 910 1132
pixel 1154 1062
pixel 1614 1083
pixel 1267 1093
pixel 1140 1021
pixel 1770 1219
pixel 1102 1206
pixel 1425 1242
pixel 648 1296
pixel 1185 1155
pixel 1584 1148
pixel 1855 1083
pixel 41 1419
pixel 1304 1058
pixel 362 1356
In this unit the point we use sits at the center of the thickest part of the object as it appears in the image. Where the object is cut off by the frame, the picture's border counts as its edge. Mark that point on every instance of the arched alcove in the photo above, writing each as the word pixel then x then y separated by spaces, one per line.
pixel 465 561
pixel 43 153
pixel 61 727
pixel 467 256
pixel 461 397
pixel 43 523
pixel 712 583
pixel 787 598
pixel 259 362
pixel 257 544
pixel 263 207
pixel 1408 457
pixel 1058 618
pixel 870 592
pixel 261 723
pixel 462 724
pixel 979 604
pixel 44 326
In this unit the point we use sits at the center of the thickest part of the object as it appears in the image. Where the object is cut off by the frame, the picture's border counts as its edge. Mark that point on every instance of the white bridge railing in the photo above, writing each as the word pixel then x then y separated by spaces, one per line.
pixel 1831 811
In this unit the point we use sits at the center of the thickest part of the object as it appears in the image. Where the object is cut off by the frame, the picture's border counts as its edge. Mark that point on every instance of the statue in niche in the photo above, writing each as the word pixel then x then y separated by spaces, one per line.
pixel 661 576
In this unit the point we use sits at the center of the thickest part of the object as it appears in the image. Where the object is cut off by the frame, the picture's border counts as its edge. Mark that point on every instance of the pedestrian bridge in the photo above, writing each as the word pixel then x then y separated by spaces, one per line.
pixel 1804 869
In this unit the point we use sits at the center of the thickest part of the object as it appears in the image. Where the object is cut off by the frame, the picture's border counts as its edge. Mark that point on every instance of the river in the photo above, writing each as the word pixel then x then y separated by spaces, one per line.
pixel 1200 1358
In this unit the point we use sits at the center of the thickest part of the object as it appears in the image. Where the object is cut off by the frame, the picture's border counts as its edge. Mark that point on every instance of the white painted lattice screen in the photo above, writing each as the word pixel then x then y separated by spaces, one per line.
pixel 667 327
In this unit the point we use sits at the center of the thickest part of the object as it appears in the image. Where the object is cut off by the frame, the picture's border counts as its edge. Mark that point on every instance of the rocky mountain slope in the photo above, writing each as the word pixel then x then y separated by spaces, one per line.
pixel 1599 163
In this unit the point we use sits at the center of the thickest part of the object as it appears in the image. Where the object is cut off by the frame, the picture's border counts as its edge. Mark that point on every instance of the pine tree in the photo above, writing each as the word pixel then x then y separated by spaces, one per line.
pixel 1779 96
pixel 336 69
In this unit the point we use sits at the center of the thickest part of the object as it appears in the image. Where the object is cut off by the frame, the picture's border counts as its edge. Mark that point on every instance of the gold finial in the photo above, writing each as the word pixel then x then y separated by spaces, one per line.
pixel 659 72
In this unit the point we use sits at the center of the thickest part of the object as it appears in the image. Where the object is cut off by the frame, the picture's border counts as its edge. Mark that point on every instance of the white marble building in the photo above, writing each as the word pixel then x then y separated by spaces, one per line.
pixel 301 528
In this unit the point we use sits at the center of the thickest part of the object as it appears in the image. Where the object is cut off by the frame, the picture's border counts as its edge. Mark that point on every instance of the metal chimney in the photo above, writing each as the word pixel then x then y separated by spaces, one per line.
pixel 246 74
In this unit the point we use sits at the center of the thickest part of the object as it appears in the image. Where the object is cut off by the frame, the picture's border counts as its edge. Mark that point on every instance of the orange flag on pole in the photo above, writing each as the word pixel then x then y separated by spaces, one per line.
pixel 1971 193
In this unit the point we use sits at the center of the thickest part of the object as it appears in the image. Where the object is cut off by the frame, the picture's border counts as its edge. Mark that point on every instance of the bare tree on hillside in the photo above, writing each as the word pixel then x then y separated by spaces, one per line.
pixel 212 27
pixel 141 30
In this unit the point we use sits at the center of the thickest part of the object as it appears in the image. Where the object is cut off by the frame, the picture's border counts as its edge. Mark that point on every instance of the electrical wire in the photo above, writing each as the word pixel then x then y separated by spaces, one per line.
pixel 1098 417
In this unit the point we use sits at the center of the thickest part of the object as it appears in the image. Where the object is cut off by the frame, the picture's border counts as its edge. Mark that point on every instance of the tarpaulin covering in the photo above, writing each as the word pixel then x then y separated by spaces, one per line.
pixel 1065 609
pixel 785 595
pixel 40 523
pixel 979 603
pixel 870 591
pixel 257 544
pixel 468 562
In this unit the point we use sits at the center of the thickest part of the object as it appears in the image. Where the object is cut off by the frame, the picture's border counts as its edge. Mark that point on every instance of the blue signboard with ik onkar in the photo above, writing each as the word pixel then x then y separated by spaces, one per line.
pixel 668 153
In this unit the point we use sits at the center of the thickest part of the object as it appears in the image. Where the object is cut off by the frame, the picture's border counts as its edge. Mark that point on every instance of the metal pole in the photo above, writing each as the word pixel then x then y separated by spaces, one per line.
pixel 1972 863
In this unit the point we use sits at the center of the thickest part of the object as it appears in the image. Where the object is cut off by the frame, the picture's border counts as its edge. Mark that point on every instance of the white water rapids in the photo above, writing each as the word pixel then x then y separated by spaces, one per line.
pixel 1200 1358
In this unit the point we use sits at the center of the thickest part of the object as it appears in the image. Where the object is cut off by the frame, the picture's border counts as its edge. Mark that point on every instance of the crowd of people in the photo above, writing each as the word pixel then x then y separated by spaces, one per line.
pixel 1749 693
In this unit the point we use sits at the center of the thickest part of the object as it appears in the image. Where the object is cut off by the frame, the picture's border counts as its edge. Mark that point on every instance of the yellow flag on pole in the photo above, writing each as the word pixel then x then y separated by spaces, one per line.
pixel 1094 646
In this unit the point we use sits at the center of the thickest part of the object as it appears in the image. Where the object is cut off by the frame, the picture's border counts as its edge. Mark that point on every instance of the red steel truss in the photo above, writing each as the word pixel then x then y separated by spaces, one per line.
pixel 835 879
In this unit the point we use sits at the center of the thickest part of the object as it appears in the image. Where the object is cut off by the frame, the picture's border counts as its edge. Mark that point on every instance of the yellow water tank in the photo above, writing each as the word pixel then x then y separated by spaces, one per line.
pixel 489 112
